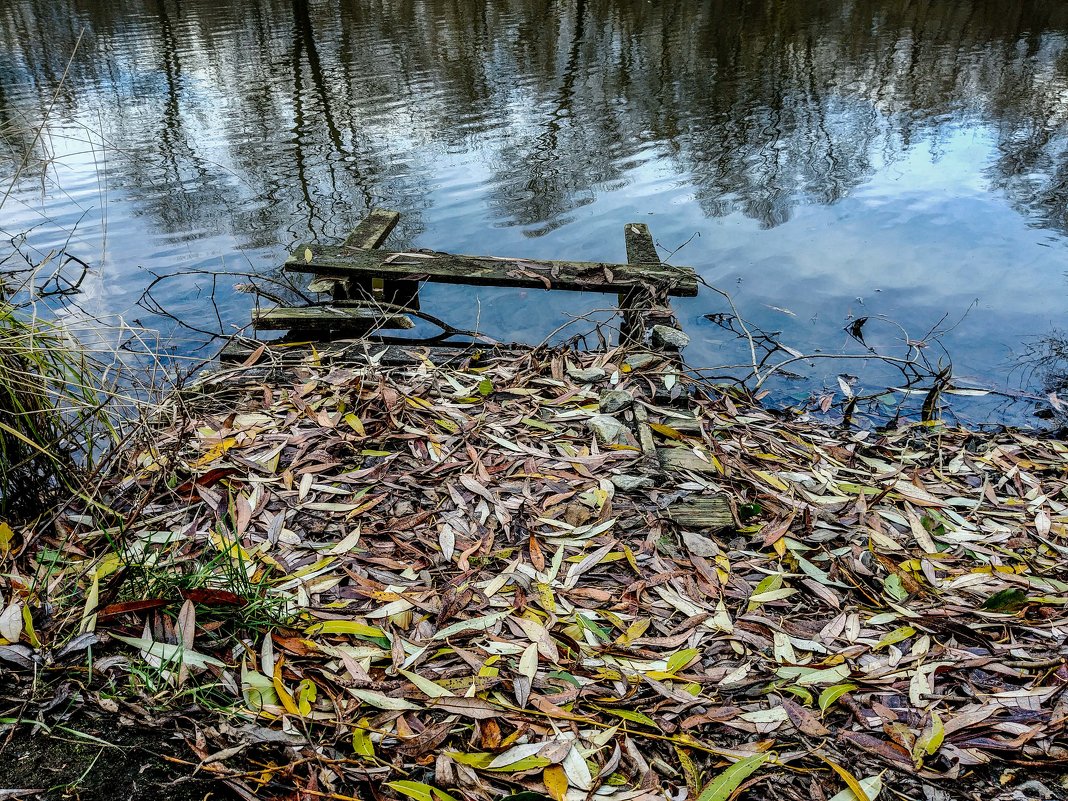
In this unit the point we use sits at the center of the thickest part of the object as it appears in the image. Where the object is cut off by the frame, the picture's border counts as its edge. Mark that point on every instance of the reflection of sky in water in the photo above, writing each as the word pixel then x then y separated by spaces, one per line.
pixel 922 238
pixel 833 163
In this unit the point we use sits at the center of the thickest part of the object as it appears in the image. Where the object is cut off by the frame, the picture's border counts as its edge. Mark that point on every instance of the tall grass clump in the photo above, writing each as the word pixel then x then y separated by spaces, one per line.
pixel 54 411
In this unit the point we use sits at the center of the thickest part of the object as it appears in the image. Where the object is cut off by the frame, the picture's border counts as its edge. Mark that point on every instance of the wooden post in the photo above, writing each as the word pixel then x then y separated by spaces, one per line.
pixel 369 235
pixel 636 303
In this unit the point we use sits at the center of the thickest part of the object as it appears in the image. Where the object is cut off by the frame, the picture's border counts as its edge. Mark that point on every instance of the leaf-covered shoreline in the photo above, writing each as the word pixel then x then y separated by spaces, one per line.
pixel 452 585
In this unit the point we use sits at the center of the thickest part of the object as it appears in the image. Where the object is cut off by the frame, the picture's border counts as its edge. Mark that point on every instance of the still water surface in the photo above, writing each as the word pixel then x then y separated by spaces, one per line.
pixel 820 161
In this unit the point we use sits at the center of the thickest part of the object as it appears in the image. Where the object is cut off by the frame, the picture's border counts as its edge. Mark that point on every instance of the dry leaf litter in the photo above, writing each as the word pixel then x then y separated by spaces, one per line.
pixel 475 590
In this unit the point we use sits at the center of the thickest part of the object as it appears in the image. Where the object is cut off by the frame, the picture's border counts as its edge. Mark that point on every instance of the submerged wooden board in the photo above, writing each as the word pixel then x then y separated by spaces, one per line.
pixel 345 262
pixel 701 512
pixel 328 318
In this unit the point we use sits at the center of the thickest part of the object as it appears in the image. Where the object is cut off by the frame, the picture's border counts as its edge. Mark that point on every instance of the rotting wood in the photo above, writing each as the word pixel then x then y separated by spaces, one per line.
pixel 711 512
pixel 637 301
pixel 684 459
pixel 328 318
pixel 374 229
pixel 368 235
pixel 488 270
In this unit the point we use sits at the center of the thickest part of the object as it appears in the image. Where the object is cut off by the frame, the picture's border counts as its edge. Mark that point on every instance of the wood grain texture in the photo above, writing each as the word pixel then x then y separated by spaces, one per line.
pixel 328 318
pixel 710 512
pixel 345 262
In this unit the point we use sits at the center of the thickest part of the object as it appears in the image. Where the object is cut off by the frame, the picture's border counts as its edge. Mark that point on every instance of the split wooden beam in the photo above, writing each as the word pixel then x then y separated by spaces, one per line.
pixel 579 276
pixel 337 318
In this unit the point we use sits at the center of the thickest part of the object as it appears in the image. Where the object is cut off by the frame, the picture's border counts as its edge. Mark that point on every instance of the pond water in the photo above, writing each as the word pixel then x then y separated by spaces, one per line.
pixel 819 161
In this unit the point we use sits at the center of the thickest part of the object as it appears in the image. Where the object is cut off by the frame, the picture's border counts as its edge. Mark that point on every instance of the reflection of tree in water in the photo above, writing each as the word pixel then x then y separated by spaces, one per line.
pixel 323 107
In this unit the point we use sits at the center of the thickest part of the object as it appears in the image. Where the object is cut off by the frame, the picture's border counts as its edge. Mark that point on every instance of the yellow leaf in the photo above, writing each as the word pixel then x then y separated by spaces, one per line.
pixel 345 627
pixel 851 781
pixel 308 255
pixel 92 600
pixel 681 659
pixel 306 693
pixel 555 782
pixel 215 451
pixel 6 536
pixel 666 431
pixel 771 480
pixel 283 694
pixel 27 627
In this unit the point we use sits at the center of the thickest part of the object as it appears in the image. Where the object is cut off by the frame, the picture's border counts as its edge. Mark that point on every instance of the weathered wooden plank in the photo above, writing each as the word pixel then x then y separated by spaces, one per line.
pixel 640 246
pixel 328 318
pixel 684 459
pixel 369 234
pixel 701 512
pixel 636 303
pixel 578 276
pixel 374 229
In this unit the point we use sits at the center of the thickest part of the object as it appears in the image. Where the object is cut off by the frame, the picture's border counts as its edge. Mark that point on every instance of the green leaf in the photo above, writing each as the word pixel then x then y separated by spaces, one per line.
pixel 415 790
pixel 722 785
pixel 930 740
pixel 800 692
pixel 894 588
pixel 747 510
pixel 485 387
pixel 872 786
pixel 832 694
pixel 524 764
pixel 474 624
pixel 895 636
pixel 361 740
pixel 419 791
pixel 478 759
pixel 1005 600
pixel 826 676
pixel 382 701
pixel 425 685
pixel 592 627
pixel 633 717
pixel 681 659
